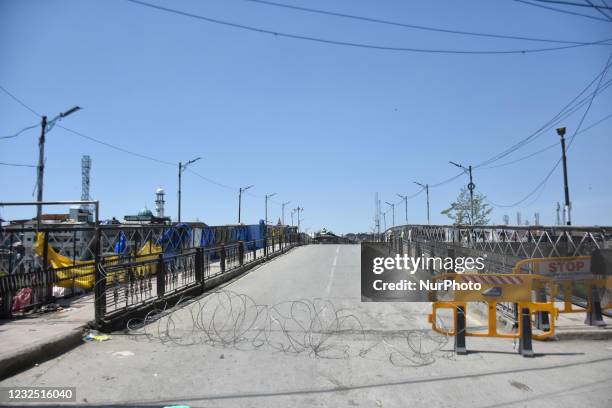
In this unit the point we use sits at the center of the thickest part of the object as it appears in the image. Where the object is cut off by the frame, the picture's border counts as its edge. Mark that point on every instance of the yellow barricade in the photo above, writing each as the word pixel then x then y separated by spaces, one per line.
pixel 493 289
pixel 573 275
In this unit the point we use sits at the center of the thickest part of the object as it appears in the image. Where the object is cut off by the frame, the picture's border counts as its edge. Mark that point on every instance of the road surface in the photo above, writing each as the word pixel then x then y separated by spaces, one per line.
pixel 351 354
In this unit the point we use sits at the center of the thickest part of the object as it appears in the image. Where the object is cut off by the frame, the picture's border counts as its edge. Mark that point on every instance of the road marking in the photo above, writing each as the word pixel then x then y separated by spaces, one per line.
pixel 331 274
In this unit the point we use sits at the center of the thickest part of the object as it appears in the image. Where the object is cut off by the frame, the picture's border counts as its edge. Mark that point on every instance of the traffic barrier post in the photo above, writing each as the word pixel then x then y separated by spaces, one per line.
pixel 495 288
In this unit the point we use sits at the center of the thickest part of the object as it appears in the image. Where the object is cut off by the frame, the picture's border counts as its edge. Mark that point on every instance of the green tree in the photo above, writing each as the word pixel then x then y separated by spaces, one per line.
pixel 460 210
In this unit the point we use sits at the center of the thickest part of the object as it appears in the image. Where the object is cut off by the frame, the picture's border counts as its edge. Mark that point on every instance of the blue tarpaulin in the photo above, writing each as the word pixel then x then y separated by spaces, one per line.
pixel 174 238
pixel 121 244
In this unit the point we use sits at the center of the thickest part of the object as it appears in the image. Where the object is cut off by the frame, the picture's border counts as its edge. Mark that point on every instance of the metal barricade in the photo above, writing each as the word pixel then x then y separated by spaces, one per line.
pixel 492 289
pixel 576 278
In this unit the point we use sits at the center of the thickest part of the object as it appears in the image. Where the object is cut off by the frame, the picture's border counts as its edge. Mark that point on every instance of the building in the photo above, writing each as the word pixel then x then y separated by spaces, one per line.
pixel 145 216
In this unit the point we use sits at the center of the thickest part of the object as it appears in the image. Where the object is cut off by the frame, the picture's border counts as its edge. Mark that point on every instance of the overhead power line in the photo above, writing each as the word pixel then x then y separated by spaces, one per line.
pixel 600 11
pixel 413 26
pixel 355 44
pixel 571 3
pixel 569 108
pixel 576 132
pixel 520 159
pixel 19 101
pixel 562 10
pixel 16 164
pixel 121 149
pixel 20 132
pixel 211 180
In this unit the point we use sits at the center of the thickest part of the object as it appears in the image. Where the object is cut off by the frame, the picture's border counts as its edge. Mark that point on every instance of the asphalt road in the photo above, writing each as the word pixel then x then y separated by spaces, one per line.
pixel 255 343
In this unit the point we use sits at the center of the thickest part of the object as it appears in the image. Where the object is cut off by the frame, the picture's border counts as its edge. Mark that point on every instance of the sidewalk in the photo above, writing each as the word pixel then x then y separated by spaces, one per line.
pixel 37 337
pixel 568 326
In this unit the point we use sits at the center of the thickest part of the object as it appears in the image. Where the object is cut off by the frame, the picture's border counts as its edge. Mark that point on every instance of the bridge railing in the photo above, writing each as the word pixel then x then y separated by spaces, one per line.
pixel 131 290
pixel 504 245
pixel 37 266
pixel 500 246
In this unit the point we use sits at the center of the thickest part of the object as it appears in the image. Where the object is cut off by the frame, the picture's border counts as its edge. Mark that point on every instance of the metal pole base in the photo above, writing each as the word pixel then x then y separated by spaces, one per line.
pixel 594 316
pixel 525 347
pixel 460 347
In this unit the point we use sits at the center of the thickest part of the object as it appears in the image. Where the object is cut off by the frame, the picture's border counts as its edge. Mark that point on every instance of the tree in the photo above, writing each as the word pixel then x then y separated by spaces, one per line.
pixel 460 211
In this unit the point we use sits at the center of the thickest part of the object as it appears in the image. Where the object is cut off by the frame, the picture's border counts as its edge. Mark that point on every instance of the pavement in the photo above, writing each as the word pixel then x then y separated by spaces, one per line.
pixel 37 337
pixel 273 348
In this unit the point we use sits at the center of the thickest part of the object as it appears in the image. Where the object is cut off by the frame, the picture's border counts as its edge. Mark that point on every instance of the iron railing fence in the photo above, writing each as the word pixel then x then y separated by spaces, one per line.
pixel 501 247
pixel 124 287
pixel 67 253
pixel 18 243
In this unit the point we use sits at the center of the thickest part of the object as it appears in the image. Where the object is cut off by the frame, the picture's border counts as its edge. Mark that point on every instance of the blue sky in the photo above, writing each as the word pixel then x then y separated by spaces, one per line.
pixel 323 126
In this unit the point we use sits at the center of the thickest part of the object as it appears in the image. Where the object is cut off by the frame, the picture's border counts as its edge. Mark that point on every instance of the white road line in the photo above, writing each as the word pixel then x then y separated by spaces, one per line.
pixel 331 274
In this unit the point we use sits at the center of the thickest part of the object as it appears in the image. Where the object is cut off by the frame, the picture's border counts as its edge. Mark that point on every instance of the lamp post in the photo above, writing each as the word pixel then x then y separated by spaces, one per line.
pixel 471 186
pixel 267 197
pixel 292 212
pixel 40 170
pixel 426 187
pixel 283 206
pixel 298 209
pixel 405 198
pixel 392 211
pixel 568 205
pixel 181 169
pixel 242 190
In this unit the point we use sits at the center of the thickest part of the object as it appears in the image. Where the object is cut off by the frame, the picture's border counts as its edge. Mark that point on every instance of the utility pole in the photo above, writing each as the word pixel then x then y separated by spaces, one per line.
pixel 471 186
pixel 181 169
pixel 426 187
pixel 242 190
pixel 568 206
pixel 40 170
pixel 298 209
pixel 292 212
pixel 283 205
pixel 267 197
pixel 392 211
pixel 405 198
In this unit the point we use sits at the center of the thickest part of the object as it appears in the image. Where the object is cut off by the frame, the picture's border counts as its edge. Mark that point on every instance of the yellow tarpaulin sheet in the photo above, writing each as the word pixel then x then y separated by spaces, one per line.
pixel 82 274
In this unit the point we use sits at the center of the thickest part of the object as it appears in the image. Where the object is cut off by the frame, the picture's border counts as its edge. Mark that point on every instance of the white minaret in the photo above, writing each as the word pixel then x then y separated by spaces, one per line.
pixel 159 202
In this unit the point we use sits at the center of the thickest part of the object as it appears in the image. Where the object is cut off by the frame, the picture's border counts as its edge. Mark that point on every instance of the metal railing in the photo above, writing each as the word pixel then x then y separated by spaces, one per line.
pixel 500 246
pixel 122 288
pixel 25 262
pixel 503 245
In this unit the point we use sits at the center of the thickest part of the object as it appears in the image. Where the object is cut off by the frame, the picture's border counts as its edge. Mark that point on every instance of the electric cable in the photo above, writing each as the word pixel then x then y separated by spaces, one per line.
pixel 412 26
pixel 354 44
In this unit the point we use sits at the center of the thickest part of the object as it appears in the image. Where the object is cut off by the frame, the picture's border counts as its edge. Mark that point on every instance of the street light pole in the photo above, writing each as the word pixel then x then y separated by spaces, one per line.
pixel 181 169
pixel 292 212
pixel 268 196
pixel 568 206
pixel 40 170
pixel 470 186
pixel 242 190
pixel 405 198
pixel 298 209
pixel 426 187
pixel 392 211
pixel 283 205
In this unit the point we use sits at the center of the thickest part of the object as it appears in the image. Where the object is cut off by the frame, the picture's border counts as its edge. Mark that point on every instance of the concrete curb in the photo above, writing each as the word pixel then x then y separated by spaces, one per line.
pixel 585 334
pixel 41 351
pixel 582 333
